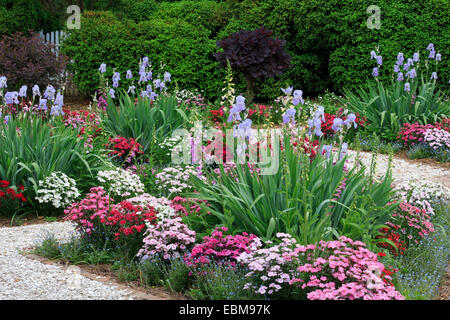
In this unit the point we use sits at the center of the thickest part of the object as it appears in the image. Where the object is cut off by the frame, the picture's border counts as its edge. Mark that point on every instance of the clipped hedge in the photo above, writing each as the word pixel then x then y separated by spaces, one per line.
pixel 329 41
pixel 185 50
pixel 25 15
pixel 339 29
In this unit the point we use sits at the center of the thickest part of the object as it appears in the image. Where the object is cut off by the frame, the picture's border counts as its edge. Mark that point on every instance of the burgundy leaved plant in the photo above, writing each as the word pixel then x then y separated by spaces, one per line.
pixel 255 53
pixel 29 60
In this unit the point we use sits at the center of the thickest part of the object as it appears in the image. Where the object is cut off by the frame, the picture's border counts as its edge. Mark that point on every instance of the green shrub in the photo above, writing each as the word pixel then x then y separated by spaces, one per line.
pixel 328 40
pixel 184 49
pixel 339 31
pixel 25 15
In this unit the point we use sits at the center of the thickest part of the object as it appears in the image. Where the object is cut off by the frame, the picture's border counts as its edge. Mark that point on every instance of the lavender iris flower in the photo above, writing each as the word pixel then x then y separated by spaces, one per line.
pixel 234 114
pixel 320 113
pixel 145 62
pixel 142 74
pixel 434 76
pixel 11 97
pixel 131 89
pixel 287 91
pixel 289 115
pixel 149 76
pixel 438 57
pixel 102 68
pixel 407 87
pixel 240 100
pixel 157 83
pixel 23 91
pixel 297 97
pixel 400 58
pixel 379 60
pixel 43 104
pixel 243 129
pixel 49 92
pixel 116 78
pixel 153 96
pixel 430 46
pixel 59 100
pixel 36 91
pixel 375 72
pixel 129 74
pixel 316 125
pixel 327 149
pixel 56 111
pixel 416 57
pixel 337 124
pixel 344 149
pixel 400 76
pixel 351 118
pixel 3 82
pixel 432 53
pixel 373 55
pixel 167 77
pixel 411 73
pixel 6 120
pixel 112 93
pixel 145 94
pixel 396 68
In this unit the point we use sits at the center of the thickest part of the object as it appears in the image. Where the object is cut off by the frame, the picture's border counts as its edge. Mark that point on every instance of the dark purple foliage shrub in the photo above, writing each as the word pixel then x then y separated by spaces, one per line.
pixel 255 53
pixel 28 60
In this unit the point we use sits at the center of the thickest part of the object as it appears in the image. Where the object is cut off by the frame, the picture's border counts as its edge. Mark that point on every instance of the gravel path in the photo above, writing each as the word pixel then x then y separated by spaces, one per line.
pixel 403 170
pixel 27 279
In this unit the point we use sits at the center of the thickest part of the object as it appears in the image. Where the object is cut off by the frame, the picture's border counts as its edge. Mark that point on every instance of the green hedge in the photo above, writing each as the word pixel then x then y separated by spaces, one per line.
pixel 328 40
pixel 185 50
pixel 338 28
pixel 25 15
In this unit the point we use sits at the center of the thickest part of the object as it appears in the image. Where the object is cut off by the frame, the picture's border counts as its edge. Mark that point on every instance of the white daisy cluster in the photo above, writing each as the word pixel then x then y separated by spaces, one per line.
pixel 120 183
pixel 170 143
pixel 176 179
pixel 57 189
pixel 161 205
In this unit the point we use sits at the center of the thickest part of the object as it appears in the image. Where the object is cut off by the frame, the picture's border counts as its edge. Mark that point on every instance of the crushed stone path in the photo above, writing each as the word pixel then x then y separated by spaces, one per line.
pixel 22 278
pixel 402 170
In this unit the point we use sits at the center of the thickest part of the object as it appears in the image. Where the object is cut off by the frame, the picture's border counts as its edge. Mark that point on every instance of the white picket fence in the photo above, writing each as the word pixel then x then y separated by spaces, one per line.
pixel 57 37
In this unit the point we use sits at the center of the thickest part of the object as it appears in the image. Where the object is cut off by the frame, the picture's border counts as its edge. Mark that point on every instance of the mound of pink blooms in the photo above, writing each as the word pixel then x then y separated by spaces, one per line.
pixel 340 270
pixel 221 249
pixel 96 212
pixel 411 222
pixel 412 134
pixel 169 239
pixel 95 206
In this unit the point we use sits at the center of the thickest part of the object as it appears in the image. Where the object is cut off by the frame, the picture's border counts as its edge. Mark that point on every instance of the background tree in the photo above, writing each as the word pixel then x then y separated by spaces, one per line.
pixel 256 54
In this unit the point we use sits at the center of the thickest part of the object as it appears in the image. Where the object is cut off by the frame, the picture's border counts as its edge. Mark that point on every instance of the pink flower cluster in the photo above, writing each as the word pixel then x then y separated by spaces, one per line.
pixel 341 269
pixel 412 134
pixel 96 213
pixel 169 238
pixel 94 207
pixel 269 271
pixel 220 249
pixel 411 223
pixel 437 138
pixel 187 206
